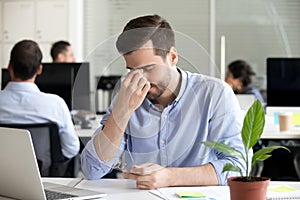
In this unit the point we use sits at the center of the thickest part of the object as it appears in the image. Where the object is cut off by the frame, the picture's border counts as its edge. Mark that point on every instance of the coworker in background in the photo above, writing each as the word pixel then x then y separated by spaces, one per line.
pixel 22 102
pixel 239 77
pixel 161 115
pixel 62 51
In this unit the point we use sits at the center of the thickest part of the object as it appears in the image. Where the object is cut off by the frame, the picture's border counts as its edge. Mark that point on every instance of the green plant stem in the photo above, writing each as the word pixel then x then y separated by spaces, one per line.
pixel 247 162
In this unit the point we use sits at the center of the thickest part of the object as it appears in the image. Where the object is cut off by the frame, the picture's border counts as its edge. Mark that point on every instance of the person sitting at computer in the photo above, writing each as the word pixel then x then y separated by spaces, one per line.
pixel 61 51
pixel 21 101
pixel 239 77
pixel 154 127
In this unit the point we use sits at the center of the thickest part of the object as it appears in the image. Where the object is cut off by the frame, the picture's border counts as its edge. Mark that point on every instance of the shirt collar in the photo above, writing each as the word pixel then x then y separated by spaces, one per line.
pixel 22 86
pixel 183 85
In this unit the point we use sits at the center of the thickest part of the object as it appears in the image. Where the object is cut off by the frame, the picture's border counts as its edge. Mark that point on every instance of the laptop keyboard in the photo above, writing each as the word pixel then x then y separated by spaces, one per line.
pixel 50 195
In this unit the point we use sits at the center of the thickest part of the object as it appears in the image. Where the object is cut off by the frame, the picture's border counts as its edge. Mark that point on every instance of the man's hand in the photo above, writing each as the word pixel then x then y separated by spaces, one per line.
pixel 133 91
pixel 149 176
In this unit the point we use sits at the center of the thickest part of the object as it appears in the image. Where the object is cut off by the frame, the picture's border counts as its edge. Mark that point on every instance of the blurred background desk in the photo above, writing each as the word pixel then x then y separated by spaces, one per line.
pixel 281 136
pixel 85 134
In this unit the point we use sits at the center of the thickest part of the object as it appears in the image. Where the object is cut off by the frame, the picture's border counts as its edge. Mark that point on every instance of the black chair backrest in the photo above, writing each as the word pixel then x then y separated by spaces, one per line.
pixel 46 143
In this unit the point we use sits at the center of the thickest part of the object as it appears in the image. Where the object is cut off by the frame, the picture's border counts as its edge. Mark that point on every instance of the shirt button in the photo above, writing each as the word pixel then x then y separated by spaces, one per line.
pixel 162 141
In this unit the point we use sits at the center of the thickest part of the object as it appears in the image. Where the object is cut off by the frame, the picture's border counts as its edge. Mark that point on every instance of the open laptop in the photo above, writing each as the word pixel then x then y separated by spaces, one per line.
pixel 19 172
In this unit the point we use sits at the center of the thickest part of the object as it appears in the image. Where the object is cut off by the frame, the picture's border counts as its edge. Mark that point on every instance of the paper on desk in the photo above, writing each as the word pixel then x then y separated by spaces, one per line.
pixel 216 192
pixel 296 119
pixel 282 188
pixel 283 192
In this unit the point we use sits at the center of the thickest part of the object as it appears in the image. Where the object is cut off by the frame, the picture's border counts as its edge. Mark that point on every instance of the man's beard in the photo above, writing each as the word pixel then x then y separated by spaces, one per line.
pixel 155 91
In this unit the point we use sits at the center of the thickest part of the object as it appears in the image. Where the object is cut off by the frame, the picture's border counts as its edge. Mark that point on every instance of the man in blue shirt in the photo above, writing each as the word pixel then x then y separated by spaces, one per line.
pixel 22 102
pixel 155 125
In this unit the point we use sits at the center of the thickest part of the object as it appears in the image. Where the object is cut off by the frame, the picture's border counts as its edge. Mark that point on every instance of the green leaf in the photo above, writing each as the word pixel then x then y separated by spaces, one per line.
pixel 261 158
pixel 265 153
pixel 231 167
pixel 253 126
pixel 224 149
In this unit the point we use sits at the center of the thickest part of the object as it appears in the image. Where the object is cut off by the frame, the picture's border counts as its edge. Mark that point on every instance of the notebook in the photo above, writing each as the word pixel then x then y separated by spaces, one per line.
pixel 19 172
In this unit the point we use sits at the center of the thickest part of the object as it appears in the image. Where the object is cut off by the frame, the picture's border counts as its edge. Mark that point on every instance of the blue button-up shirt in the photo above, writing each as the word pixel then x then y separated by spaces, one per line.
pixel 205 109
pixel 23 102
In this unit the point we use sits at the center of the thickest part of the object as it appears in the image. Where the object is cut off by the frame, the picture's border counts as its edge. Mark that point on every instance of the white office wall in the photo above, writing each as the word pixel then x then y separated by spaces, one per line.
pixel 44 21
pixel 254 30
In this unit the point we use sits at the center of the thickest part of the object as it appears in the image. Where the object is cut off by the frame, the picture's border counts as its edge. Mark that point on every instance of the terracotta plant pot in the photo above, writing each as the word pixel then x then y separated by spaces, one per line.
pixel 240 190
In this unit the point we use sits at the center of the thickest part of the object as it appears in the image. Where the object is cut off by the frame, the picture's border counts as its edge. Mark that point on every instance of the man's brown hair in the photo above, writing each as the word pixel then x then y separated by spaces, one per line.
pixel 140 30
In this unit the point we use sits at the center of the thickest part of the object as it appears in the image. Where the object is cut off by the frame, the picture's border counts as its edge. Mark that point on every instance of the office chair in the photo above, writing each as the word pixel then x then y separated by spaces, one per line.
pixel 283 165
pixel 46 143
pixel 297 163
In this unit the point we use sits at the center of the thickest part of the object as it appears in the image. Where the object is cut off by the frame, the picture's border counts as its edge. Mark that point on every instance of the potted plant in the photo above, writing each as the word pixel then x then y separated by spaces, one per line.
pixel 247 186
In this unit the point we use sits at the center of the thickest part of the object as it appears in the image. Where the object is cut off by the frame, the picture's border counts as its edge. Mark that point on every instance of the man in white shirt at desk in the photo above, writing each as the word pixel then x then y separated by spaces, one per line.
pixel 162 114
pixel 22 102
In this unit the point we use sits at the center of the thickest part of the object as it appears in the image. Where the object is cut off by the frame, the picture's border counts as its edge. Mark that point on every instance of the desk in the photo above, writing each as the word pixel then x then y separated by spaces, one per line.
pixel 125 189
pixel 271 131
pixel 86 134
pixel 115 189
pixel 281 136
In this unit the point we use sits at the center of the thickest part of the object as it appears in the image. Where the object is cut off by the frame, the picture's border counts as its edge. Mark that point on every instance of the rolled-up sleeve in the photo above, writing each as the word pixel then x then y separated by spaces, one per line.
pixel 225 127
pixel 94 168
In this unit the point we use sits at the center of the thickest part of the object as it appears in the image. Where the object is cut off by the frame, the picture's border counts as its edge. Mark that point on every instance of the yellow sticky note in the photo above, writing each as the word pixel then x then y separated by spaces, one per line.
pixel 282 188
pixel 190 194
pixel 296 119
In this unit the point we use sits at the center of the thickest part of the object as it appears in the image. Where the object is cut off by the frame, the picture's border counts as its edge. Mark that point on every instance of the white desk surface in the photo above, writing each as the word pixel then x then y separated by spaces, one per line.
pixel 115 189
pixel 125 189
pixel 281 135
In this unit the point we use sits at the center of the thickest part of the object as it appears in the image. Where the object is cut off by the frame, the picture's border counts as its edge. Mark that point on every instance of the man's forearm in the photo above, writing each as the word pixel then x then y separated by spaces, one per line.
pixel 190 176
pixel 108 141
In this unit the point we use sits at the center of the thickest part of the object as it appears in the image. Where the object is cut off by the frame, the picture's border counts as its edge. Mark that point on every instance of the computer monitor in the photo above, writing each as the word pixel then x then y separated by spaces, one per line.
pixel 283 82
pixel 81 88
pixel 68 80
pixel 53 80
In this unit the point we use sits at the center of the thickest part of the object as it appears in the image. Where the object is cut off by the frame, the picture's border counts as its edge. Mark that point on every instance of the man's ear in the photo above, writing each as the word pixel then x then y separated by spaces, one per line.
pixel 40 69
pixel 60 57
pixel 173 56
pixel 10 69
pixel 9 66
